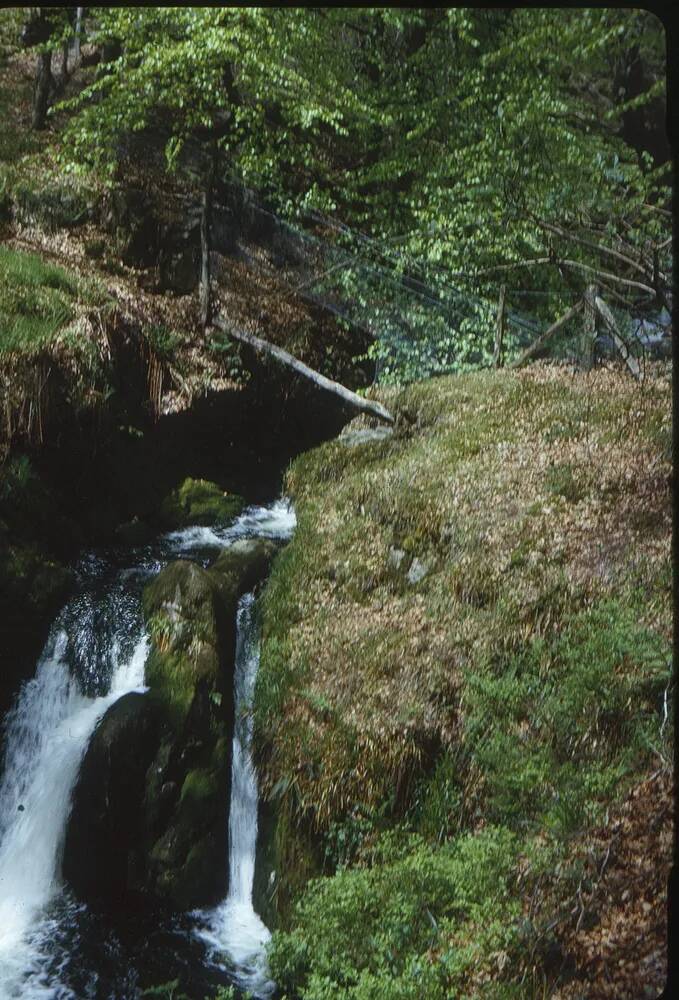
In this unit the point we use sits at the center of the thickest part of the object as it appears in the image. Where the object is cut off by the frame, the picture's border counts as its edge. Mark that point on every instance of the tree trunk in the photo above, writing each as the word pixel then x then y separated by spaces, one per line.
pixel 43 83
pixel 500 329
pixel 78 27
pixel 205 221
pixel 588 329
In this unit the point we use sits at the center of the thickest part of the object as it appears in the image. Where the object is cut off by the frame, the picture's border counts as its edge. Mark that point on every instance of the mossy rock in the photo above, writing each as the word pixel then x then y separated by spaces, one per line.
pixel 198 501
pixel 191 614
pixel 134 532
pixel 50 208
pixel 241 567
pixel 181 608
pixel 196 882
pixel 188 862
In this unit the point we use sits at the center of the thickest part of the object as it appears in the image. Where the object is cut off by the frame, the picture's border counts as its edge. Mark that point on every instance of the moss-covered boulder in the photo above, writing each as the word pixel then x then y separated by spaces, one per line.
pixel 186 620
pixel 198 501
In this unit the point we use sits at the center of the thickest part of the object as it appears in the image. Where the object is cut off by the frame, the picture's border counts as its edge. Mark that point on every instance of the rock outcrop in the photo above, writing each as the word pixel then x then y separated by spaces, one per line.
pixel 150 809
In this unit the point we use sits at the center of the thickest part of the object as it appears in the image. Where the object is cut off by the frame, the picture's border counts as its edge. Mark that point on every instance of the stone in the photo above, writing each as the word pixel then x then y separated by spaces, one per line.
pixel 364 435
pixel 200 502
pixel 418 570
pixel 103 832
pixel 151 804
pixel 396 557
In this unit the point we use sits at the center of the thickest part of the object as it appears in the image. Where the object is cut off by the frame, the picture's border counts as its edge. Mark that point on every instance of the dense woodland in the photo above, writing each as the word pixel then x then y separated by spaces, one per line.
pixel 411 269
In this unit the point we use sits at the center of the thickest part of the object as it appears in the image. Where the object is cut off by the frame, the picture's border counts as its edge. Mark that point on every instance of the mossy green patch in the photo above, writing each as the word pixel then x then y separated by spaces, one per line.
pixel 37 300
pixel 197 501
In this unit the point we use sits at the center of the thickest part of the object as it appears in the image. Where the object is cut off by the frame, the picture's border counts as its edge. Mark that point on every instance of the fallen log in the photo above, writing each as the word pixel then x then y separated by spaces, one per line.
pixel 538 344
pixel 267 350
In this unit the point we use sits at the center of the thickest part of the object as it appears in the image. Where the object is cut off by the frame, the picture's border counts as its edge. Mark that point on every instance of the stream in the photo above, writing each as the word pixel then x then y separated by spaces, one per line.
pixel 52 947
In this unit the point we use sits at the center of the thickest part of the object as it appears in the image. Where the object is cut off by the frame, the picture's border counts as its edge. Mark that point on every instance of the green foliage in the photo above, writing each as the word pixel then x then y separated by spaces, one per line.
pixel 450 139
pixel 555 729
pixel 163 340
pixel 387 931
pixel 166 991
pixel 169 991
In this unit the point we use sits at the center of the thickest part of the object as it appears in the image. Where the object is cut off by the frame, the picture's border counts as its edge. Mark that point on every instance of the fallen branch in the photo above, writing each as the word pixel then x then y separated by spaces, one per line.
pixel 607 317
pixel 265 349
pixel 538 344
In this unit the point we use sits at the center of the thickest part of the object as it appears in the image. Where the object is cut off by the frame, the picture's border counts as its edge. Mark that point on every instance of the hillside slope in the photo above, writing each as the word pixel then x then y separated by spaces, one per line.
pixel 465 676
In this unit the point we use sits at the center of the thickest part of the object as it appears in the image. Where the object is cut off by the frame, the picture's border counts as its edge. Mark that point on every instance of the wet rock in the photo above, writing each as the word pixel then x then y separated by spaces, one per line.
pixel 102 846
pixel 197 501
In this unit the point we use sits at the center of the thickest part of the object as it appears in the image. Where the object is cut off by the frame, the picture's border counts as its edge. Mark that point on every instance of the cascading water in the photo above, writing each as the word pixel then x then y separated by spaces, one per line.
pixel 47 734
pixel 51 947
pixel 234 928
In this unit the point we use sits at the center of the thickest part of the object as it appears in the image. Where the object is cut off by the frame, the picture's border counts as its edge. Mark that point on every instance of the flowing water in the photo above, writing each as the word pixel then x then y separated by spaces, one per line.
pixel 51 946
pixel 234 928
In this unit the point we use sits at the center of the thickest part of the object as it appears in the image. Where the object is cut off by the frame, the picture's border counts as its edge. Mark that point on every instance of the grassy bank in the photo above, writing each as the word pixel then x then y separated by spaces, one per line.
pixel 464 676
pixel 38 301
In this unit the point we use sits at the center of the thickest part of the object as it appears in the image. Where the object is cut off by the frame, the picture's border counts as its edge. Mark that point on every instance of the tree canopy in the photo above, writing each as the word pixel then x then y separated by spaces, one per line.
pixel 456 142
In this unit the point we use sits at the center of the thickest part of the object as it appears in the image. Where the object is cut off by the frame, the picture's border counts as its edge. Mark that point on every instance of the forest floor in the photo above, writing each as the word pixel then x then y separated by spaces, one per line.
pixel 467 647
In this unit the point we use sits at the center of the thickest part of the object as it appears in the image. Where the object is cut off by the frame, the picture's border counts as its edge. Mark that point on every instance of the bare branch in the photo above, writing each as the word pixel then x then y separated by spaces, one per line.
pixel 558 231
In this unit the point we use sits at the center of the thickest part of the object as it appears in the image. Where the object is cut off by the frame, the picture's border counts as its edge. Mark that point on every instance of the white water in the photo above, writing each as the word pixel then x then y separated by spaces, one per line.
pixel 275 521
pixel 233 927
pixel 47 733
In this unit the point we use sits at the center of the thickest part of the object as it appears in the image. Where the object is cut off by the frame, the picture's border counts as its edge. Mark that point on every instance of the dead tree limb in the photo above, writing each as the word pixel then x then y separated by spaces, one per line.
pixel 619 341
pixel 539 344
pixel 267 350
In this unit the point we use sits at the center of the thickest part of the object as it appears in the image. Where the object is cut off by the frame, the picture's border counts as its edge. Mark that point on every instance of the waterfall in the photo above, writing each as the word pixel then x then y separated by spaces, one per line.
pixel 234 928
pixel 51 946
pixel 47 733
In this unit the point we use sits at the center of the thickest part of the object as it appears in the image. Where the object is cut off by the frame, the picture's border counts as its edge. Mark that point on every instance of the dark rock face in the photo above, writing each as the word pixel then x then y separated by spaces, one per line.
pixel 101 852
pixel 150 812
pixel 131 218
